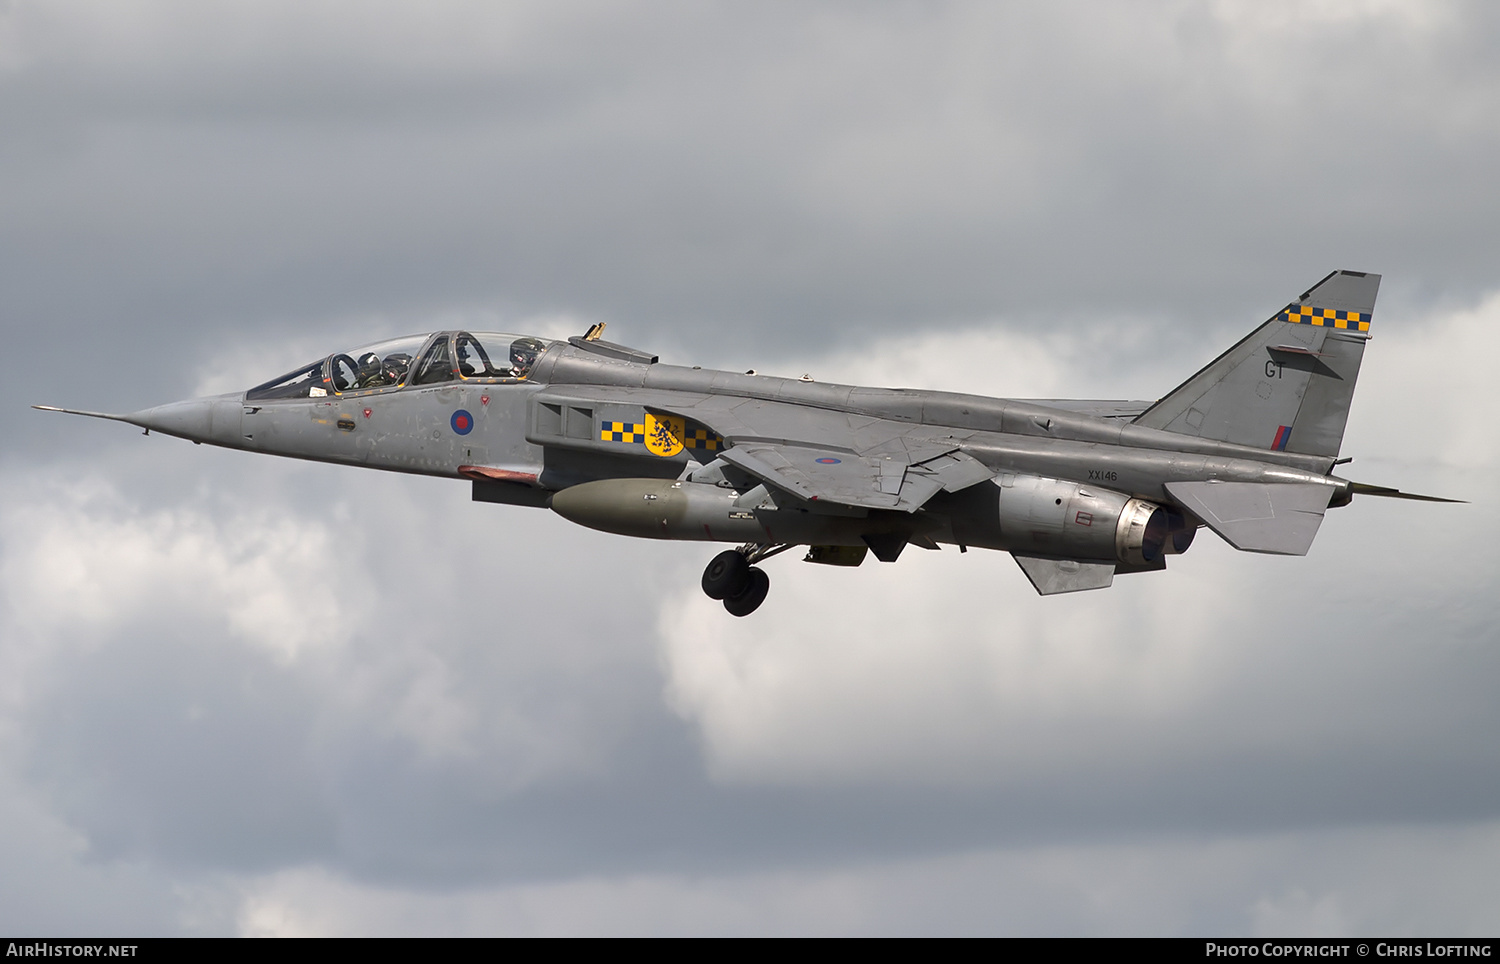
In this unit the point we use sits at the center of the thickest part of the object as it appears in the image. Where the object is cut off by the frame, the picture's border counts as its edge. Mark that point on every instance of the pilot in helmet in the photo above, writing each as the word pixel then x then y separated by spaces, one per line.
pixel 465 365
pixel 368 374
pixel 523 354
pixel 393 369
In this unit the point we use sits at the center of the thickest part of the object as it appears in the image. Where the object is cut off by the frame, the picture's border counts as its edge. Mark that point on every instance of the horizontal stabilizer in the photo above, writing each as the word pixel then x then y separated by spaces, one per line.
pixel 1052 576
pixel 1281 518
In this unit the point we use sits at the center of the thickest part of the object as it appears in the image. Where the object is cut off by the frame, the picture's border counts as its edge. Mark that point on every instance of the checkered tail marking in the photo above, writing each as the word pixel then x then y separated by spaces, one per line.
pixel 1326 317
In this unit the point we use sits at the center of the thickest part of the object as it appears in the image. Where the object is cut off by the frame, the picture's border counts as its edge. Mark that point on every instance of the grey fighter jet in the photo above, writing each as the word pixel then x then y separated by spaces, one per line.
pixel 609 437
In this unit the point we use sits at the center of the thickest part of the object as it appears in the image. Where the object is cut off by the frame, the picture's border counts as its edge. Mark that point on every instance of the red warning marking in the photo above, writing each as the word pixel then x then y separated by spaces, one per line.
pixel 367 413
pixel 1084 518
pixel 499 475
pixel 484 399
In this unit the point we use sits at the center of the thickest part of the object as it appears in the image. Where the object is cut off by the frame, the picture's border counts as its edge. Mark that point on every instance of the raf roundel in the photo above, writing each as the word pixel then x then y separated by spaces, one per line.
pixel 462 422
pixel 829 461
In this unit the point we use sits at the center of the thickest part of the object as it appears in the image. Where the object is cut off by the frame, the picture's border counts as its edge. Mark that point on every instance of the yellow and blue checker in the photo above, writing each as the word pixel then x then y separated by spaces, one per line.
pixel 622 432
pixel 702 438
pixel 1326 317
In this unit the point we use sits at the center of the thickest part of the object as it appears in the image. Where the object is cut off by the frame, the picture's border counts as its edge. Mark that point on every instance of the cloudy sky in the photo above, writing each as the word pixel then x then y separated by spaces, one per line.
pixel 241 695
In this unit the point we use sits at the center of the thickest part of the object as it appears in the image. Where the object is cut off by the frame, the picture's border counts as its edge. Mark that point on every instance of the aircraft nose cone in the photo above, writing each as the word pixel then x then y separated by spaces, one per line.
pixel 215 419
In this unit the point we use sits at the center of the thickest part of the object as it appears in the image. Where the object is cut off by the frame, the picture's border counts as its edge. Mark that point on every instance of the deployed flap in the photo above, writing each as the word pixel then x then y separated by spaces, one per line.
pixel 1280 518
pixel 950 472
pixel 917 487
pixel 1052 576
pixel 956 470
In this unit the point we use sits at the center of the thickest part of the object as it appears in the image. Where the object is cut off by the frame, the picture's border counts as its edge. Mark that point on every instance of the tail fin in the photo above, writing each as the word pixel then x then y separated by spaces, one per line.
pixel 1288 384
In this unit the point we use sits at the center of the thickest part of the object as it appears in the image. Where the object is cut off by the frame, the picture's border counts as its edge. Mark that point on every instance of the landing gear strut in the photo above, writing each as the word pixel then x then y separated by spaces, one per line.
pixel 731 577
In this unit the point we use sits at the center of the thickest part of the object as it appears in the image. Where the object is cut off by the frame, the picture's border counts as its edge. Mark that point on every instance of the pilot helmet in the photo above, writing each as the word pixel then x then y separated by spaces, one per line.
pixel 523 353
pixel 395 366
pixel 369 363
pixel 461 347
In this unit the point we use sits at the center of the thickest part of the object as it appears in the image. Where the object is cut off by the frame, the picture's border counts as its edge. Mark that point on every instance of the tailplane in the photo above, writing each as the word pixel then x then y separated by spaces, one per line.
pixel 1288 384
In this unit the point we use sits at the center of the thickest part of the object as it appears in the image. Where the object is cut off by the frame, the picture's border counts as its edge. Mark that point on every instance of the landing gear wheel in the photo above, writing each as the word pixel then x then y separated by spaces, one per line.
pixel 727 574
pixel 749 599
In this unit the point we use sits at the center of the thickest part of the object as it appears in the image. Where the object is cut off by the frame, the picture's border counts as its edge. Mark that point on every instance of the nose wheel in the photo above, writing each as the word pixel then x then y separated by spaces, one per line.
pixel 731 578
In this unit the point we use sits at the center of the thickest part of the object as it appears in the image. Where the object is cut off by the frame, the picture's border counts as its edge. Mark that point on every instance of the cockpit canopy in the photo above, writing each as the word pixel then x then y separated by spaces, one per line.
pixel 478 357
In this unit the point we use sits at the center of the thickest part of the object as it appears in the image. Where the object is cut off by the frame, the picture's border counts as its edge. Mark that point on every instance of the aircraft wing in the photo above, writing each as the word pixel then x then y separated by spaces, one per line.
pixel 820 455
pixel 874 480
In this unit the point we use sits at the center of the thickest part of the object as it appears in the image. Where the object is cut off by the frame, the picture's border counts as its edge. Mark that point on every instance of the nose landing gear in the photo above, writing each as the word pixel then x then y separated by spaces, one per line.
pixel 730 577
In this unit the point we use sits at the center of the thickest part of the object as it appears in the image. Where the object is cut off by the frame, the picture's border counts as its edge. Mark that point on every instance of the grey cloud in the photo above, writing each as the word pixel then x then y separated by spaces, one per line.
pixel 1345 883
pixel 820 168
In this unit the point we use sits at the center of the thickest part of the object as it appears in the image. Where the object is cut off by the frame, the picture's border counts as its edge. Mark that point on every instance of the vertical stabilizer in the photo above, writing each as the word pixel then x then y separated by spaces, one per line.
pixel 1287 385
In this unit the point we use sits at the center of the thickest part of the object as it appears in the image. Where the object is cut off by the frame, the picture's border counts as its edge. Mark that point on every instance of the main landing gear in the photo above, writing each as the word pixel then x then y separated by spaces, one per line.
pixel 731 578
